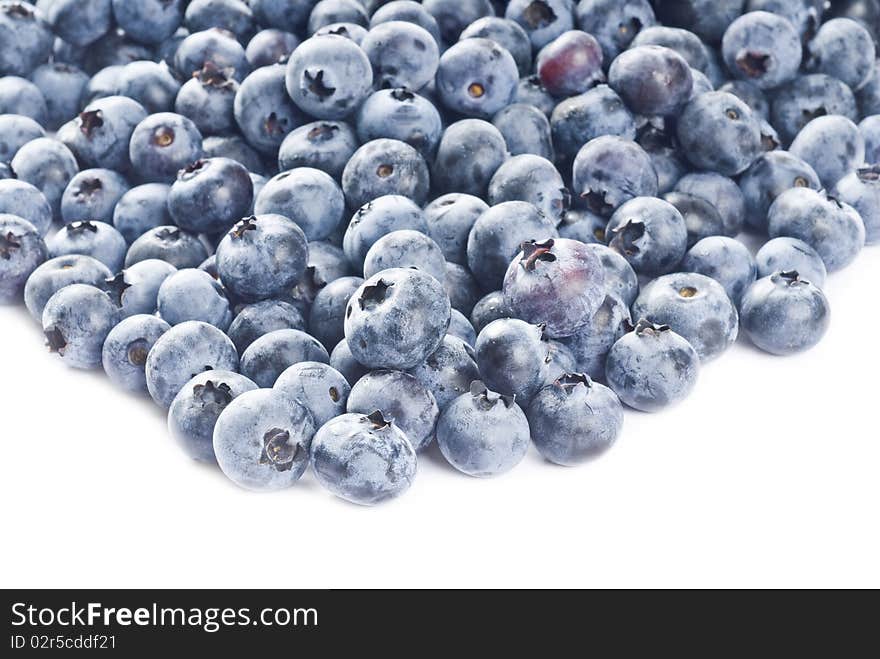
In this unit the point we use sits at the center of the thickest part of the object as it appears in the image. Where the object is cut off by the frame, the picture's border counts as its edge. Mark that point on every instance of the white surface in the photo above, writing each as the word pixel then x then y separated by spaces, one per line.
pixel 769 475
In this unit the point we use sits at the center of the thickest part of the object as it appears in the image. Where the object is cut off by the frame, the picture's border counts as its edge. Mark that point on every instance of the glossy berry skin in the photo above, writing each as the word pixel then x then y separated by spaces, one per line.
pixel 324 145
pixel 449 371
pixel 469 153
pixel 530 91
pixel 579 119
pixel 363 459
pixel 99 136
pixel 48 165
pixel 136 289
pixel 488 308
pixel 574 420
pixel 533 179
pixel 210 195
pixel 262 257
pixel 832 228
pixel 264 111
pixel 400 114
pixel 720 133
pixel 405 249
pixel 762 48
pixel 497 235
pixel 450 218
pixel 861 190
pixel 53 275
pixel 506 32
pixel 377 218
pixel 651 80
pixel 790 254
pixel 769 176
pixel 543 21
pixel 525 129
pixel 27 202
pixel 162 144
pixel 271 354
pixel 96 239
pixel 708 19
pixel 80 22
pixel 328 76
pixel 621 280
pixel 22 250
pixel 700 216
pixel 512 356
pixel 460 327
pixel 833 146
pixel 76 321
pixel 615 24
pixel 270 46
pixel 844 49
pixel 695 306
pixel 183 352
pixel 124 354
pixel 309 197
pixel 402 399
pixel 141 209
pixel 590 345
pixel 320 388
pixel 258 319
pixel 650 234
pixel 92 194
pixel 722 193
pixel 685 43
pixel 783 314
pixel 750 94
pixel 148 21
pixel 570 64
pixel 27 40
pixel 806 97
pixel 402 54
pixel 167 243
pixel 482 433
pixel 191 294
pixel 558 282
pixel 385 167
pixel 609 171
pixel 727 261
pixel 262 440
pixel 652 368
pixel 327 314
pixel 396 319
pixel 477 78
pixel 212 45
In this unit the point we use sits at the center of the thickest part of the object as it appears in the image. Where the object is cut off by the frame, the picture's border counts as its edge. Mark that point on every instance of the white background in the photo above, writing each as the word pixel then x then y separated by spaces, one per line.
pixel 769 475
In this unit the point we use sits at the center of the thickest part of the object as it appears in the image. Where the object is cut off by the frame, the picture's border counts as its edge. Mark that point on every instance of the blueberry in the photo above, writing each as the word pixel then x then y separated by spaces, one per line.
pixel 22 251
pixel 806 97
pixel 719 132
pixel 48 165
pixel 183 352
pixel 725 260
pixel 343 361
pixel 461 286
pixel 210 195
pixel 114 49
pixel 290 15
pixel 235 148
pixel 167 243
pixel 804 15
pixel 482 433
pixel 591 344
pixel 620 279
pixel 790 254
pixel 460 327
pixel 530 91
pixel 685 43
pixel 405 249
pixel 769 176
pixel 351 31
pixel 452 16
pixel 763 48
pixel 861 190
pixel 207 98
pixel 385 167
pixel 708 19
pixel 377 218
pixel 324 145
pixel 16 131
pixel 124 354
pixel 783 314
pixel 509 34
pixel 363 459
pixel 469 153
pixel 450 219
pixel 136 289
pixel 574 420
pixel 24 200
pixel 320 388
pixel 497 235
pixel 328 76
pixel 477 78
pixel 232 15
pixel 657 137
pixel 448 372
pixel 99 136
pixel 191 294
pixel 649 233
pixel 700 216
pixel 96 239
pixel 652 367
pixel 80 22
pixel 832 145
pixel 150 84
pixel 193 414
pixel 543 20
pixel 258 319
pixel 579 119
pixel 53 275
pixel 401 115
pixel 326 264
pixel 307 196
pixel 271 354
pixel 533 179
pixel 868 97
pixel 844 49
pixel 92 194
pixel 651 80
pixel 525 129
pixel 213 45
pixel 27 40
pixel 270 46
pixel 570 64
pixel 21 96
pixel 410 11
pixel 148 21
pixel 488 308
pixel 76 321
pixel 609 171
pixel 328 12
pixel 327 315
pixel 264 111
pixel 396 319
pixel 750 94
pixel 695 306
pixel 832 228
pixel 262 440
pixel 722 193
pixel 870 131
pixel 512 356
pixel 162 144
pixel 402 55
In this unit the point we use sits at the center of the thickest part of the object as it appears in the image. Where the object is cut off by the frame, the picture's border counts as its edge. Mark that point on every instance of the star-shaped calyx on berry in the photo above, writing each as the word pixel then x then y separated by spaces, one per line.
pixel 278 451
pixel 247 224
pixel 55 340
pixel 8 244
pixel 218 394
pixel 316 84
pixel 78 227
pixel 533 252
pixel 115 287
pixel 90 121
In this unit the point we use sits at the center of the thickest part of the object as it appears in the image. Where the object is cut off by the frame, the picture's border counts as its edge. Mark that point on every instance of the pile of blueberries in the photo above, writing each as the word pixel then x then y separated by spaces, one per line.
pixel 331 232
